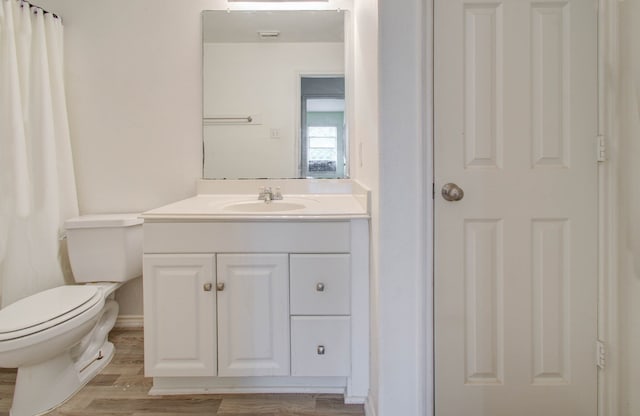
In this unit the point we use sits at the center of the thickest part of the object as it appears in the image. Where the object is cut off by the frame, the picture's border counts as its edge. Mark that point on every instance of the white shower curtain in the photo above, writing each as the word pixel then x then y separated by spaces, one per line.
pixel 37 185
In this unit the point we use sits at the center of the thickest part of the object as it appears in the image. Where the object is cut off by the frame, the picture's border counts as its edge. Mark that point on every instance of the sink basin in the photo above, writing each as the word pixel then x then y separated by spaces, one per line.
pixel 247 205
pixel 261 206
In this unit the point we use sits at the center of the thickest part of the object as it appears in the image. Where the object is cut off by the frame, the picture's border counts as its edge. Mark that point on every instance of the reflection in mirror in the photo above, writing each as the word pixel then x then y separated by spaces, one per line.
pixel 323 144
pixel 274 94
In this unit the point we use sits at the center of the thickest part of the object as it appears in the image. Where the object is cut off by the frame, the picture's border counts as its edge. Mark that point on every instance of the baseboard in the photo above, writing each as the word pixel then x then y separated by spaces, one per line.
pixel 129 321
pixel 369 409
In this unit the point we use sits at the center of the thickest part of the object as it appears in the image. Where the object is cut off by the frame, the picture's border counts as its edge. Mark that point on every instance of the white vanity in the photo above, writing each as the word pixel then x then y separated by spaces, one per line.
pixel 241 295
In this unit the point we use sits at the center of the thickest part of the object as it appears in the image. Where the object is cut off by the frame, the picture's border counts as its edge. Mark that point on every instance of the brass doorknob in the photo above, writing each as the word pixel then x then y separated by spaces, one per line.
pixel 452 192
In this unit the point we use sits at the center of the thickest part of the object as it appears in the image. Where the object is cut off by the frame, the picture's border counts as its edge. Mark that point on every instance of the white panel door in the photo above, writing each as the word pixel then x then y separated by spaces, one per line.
pixel 179 315
pixel 253 315
pixel 516 257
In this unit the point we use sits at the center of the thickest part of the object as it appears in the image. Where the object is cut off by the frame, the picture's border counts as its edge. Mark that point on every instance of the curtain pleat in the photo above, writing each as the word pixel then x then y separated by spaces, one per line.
pixel 37 181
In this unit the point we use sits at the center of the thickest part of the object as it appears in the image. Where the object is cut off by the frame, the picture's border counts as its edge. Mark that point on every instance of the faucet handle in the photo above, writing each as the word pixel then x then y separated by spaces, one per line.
pixel 277 194
pixel 265 193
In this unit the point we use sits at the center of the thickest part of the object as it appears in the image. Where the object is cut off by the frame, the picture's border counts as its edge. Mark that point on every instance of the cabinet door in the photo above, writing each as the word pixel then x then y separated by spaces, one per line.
pixel 253 315
pixel 179 315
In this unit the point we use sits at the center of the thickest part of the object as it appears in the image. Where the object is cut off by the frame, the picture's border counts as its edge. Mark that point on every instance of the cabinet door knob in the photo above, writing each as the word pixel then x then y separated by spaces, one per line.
pixel 320 349
pixel 320 287
pixel 207 287
pixel 220 287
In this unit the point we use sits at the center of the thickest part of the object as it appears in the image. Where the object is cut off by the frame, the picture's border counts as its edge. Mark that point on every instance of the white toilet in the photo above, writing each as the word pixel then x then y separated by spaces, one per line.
pixel 58 338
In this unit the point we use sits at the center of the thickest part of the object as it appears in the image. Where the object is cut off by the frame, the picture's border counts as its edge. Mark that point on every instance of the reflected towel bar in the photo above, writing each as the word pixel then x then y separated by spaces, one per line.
pixel 248 119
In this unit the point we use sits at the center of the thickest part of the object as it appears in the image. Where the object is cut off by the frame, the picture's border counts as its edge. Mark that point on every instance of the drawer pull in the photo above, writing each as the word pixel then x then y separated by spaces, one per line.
pixel 320 349
pixel 207 287
pixel 220 287
pixel 320 287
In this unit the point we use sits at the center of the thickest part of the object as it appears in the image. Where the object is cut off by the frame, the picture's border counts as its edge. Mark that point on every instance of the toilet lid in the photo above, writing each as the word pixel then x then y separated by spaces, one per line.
pixel 46 306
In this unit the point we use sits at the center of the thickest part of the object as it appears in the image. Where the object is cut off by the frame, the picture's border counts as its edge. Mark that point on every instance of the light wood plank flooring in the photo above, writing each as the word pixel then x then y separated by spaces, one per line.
pixel 121 389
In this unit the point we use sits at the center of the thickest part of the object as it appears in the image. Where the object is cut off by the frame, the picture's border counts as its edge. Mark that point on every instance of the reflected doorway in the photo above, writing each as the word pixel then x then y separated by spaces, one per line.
pixel 323 140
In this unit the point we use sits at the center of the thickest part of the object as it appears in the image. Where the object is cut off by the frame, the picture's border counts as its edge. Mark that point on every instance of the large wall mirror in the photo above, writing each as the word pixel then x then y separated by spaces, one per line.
pixel 274 94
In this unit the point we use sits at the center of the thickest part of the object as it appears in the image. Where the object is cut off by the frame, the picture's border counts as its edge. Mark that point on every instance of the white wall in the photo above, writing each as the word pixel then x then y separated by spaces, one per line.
pixel 365 160
pixel 403 210
pixel 133 73
pixel 629 208
pixel 262 80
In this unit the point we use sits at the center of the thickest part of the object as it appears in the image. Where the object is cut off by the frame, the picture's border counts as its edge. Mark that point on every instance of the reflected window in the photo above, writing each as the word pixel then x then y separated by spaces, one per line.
pixel 322 149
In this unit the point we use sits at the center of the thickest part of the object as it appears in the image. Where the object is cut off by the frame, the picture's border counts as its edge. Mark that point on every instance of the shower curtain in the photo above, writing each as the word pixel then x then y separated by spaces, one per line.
pixel 37 185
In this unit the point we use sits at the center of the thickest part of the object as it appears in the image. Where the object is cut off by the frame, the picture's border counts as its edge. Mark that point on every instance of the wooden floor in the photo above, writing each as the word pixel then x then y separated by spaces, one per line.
pixel 121 389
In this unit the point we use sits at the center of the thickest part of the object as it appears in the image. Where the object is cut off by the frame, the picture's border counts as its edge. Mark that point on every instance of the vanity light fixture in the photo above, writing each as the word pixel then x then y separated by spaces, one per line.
pixel 276 1
pixel 269 34
pixel 277 4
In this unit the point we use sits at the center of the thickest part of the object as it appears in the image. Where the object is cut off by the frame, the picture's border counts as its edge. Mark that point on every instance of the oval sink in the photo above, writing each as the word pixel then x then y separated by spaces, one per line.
pixel 261 206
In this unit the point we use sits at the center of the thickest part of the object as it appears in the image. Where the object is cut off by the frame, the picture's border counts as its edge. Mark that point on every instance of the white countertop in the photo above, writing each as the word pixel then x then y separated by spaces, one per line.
pixel 237 200
pixel 248 207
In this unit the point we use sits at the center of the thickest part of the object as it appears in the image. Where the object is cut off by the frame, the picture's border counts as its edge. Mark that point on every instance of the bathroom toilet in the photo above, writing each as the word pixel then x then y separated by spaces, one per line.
pixel 57 339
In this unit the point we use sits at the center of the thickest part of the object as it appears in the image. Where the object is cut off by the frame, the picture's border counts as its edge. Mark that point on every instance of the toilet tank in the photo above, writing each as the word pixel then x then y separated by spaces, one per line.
pixel 105 248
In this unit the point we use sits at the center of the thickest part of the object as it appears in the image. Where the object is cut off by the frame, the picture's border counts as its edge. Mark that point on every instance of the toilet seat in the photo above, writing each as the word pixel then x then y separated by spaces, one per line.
pixel 46 309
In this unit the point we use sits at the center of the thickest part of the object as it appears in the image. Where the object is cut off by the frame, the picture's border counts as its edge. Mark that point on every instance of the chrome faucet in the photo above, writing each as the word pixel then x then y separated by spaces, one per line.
pixel 267 194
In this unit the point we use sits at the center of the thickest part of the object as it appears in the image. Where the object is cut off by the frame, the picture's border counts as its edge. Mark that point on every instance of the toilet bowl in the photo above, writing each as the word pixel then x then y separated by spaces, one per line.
pixel 57 338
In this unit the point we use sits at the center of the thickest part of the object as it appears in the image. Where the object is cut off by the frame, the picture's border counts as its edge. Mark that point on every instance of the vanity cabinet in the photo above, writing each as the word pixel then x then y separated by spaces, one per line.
pixel 256 306
pixel 248 301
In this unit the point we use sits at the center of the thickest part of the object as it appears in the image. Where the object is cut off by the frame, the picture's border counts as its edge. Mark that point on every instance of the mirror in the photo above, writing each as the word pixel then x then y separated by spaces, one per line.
pixel 274 94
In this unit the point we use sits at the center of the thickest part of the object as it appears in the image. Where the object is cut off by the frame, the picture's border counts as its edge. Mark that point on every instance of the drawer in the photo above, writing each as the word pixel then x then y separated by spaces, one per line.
pixel 320 346
pixel 320 284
